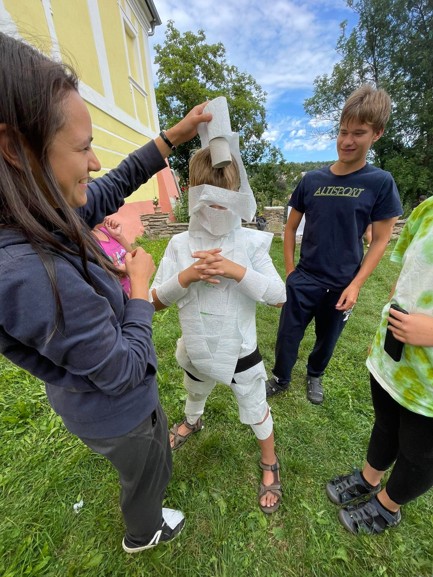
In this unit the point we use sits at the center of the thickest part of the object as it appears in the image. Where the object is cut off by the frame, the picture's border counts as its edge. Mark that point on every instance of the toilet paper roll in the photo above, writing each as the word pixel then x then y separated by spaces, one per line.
pixel 220 152
pixel 220 123
pixel 218 130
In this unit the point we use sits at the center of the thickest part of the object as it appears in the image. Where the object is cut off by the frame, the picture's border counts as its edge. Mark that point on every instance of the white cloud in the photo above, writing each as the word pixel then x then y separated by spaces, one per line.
pixel 318 144
pixel 284 45
pixel 320 122
pixel 296 134
pixel 271 135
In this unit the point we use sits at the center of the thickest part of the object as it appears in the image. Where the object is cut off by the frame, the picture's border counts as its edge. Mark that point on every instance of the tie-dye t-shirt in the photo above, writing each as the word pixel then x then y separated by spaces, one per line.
pixel 410 381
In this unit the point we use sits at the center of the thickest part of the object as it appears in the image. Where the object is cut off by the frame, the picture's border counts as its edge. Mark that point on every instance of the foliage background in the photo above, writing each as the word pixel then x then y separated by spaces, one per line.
pixel 390 47
pixel 191 71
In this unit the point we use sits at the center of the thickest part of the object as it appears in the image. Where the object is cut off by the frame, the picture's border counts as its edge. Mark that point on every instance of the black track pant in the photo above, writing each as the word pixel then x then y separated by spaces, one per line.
pixel 143 461
pixel 306 300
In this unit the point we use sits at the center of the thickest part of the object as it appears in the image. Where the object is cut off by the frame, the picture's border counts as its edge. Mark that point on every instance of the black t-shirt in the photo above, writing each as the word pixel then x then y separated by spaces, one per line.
pixel 337 211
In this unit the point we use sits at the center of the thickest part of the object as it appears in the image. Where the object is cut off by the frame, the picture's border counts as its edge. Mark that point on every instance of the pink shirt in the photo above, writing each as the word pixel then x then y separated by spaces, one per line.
pixel 116 253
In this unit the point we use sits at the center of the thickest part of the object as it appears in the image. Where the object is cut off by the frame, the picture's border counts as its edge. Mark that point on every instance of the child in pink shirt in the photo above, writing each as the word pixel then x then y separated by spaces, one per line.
pixel 110 236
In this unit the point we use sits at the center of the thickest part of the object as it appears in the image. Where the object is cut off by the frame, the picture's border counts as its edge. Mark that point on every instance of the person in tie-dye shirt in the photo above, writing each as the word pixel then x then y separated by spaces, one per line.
pixel 402 393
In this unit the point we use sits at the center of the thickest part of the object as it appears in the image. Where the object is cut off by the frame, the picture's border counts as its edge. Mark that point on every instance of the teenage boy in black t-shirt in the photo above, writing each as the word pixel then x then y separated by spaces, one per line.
pixel 338 202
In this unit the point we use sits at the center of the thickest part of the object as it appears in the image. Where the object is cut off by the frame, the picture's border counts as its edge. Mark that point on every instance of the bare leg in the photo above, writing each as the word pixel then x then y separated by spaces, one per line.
pixel 387 502
pixel 371 475
pixel 374 476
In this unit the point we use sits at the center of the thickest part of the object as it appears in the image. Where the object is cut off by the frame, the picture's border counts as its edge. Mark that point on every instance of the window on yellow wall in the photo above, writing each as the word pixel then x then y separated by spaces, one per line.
pixel 136 81
pixel 141 105
pixel 132 51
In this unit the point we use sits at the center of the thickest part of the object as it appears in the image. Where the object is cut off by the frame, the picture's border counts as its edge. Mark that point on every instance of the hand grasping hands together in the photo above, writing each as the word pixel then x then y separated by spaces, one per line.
pixel 210 265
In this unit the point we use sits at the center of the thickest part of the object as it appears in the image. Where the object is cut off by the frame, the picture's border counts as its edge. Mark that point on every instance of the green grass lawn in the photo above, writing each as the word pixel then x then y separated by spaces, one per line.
pixel 45 471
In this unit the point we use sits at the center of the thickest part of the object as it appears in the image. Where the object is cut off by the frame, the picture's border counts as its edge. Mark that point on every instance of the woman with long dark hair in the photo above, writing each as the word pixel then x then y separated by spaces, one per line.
pixel 64 316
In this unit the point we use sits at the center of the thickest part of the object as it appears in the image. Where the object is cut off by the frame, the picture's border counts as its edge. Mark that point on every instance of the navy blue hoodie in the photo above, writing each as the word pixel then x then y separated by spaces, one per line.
pixel 99 368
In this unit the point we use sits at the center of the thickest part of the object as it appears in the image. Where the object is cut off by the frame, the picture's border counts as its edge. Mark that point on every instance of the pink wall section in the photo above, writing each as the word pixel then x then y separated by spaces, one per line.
pixel 129 218
pixel 129 214
pixel 167 189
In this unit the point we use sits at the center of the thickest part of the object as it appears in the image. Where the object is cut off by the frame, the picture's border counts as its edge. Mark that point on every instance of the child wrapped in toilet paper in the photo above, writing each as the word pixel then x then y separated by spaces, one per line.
pixel 216 272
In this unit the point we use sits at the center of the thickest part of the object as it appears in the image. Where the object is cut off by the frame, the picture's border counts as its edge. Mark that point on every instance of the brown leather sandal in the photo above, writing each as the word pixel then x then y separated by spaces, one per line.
pixel 275 488
pixel 178 439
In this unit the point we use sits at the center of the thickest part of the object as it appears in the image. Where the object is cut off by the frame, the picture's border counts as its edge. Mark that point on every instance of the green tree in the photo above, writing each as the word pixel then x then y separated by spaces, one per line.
pixel 268 179
pixel 191 71
pixel 390 47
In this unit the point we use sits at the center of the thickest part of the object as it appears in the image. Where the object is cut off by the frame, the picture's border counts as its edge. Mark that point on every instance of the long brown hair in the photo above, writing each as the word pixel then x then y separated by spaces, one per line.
pixel 33 88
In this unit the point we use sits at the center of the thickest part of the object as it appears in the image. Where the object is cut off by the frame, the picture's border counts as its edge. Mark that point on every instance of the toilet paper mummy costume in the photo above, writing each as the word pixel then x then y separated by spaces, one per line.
pixel 219 341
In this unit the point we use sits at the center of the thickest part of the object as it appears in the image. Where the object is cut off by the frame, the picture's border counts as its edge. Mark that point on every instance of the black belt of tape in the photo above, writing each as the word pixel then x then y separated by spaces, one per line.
pixel 243 364
pixel 249 361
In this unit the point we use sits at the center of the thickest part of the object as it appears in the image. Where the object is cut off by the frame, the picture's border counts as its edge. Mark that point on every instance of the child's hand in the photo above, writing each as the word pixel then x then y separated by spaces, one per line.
pixel 414 329
pixel 207 259
pixel 113 226
pixel 208 267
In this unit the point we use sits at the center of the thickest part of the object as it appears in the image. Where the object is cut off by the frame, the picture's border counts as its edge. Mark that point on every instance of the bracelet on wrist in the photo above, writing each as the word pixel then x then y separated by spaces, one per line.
pixel 167 141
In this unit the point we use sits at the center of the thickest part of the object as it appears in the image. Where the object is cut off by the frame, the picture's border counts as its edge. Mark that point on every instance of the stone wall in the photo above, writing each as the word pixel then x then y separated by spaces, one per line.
pixel 398 228
pixel 275 223
pixel 159 225
pixel 274 216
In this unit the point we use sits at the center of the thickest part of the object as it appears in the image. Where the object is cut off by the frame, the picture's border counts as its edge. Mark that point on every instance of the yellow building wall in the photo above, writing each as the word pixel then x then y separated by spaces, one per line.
pixel 124 119
pixel 29 18
pixel 112 141
pixel 72 23
pixel 112 26
pixel 147 86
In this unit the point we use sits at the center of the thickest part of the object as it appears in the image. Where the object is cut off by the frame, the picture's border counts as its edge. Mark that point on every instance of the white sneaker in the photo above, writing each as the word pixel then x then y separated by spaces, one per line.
pixel 172 524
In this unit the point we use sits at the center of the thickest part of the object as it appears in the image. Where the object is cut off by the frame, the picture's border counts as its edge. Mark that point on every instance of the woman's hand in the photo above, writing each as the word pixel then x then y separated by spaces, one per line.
pixel 140 268
pixel 184 130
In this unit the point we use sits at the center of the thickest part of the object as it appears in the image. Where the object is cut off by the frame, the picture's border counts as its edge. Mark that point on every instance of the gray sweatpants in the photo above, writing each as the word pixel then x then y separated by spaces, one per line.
pixel 143 461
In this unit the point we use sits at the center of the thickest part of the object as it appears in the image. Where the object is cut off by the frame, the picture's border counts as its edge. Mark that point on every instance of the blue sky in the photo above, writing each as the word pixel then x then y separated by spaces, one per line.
pixel 284 45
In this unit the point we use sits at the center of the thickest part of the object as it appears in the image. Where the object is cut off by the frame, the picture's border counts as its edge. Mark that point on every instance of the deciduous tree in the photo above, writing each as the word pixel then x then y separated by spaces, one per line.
pixel 391 47
pixel 191 71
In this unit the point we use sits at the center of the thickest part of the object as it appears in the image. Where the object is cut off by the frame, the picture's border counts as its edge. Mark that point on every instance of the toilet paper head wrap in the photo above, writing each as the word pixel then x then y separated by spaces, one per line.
pixel 241 204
